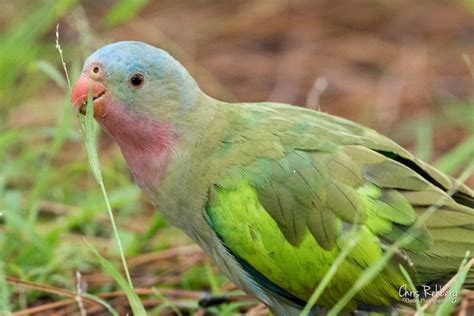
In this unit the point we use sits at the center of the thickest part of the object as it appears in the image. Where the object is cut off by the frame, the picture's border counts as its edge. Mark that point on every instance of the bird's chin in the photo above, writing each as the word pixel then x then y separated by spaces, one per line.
pixel 98 105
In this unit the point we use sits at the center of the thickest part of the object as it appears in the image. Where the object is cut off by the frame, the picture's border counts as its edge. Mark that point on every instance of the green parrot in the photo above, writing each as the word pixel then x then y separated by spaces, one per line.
pixel 273 192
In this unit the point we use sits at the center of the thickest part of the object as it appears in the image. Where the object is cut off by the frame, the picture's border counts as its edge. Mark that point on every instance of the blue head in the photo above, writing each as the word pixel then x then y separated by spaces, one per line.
pixel 138 77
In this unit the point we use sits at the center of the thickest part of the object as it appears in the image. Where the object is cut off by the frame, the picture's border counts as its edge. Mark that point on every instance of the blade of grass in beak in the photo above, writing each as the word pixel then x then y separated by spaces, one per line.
pixel 88 129
pixel 89 132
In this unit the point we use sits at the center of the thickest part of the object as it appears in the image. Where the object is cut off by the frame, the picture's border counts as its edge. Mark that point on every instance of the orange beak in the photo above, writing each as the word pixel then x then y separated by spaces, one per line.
pixel 80 93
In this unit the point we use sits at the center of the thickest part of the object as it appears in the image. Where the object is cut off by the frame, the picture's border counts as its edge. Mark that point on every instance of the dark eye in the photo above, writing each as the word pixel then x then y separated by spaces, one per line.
pixel 96 69
pixel 136 80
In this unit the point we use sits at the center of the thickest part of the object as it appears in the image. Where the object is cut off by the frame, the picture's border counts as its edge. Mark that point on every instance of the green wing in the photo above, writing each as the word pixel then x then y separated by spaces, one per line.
pixel 296 181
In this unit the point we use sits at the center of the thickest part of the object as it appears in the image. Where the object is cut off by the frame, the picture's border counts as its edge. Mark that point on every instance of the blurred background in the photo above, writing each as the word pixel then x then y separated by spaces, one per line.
pixel 402 67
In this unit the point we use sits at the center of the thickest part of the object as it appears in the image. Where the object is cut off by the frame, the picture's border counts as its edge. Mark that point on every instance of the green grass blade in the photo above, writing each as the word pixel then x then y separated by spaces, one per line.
pixel 451 300
pixel 42 176
pixel 456 157
pixel 166 303
pixel 329 275
pixel 52 73
pixel 4 292
pixel 102 302
pixel 424 139
pixel 353 240
pixel 89 130
pixel 406 275
pixel 157 222
pixel 123 10
pixel 58 47
pixel 134 300
pixel 212 280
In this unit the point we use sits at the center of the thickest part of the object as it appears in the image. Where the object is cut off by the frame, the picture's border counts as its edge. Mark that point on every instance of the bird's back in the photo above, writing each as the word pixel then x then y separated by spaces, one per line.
pixel 300 178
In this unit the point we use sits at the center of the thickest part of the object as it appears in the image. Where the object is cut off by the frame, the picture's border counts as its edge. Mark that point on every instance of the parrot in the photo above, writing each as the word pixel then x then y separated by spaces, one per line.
pixel 272 192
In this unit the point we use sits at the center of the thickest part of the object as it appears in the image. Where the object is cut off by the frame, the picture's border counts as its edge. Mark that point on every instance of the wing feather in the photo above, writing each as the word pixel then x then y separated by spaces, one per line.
pixel 313 174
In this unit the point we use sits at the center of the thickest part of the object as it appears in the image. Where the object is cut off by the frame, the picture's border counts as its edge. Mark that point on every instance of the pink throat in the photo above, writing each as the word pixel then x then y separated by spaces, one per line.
pixel 145 144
